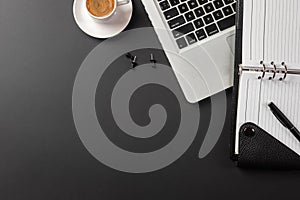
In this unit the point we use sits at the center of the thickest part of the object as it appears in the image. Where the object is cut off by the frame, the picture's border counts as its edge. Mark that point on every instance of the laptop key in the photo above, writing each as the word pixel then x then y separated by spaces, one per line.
pixel 218 14
pixel 183 30
pixel 198 23
pixel 176 22
pixel 208 19
pixel 218 4
pixel 228 1
pixel 191 38
pixel 189 16
pixel 181 43
pixel 227 10
pixel 183 8
pixel 234 7
pixel 201 34
pixel 211 29
pixel 171 13
pixel 226 23
pixel 208 8
pixel 164 5
pixel 174 2
pixel 199 12
pixel 201 2
pixel 192 4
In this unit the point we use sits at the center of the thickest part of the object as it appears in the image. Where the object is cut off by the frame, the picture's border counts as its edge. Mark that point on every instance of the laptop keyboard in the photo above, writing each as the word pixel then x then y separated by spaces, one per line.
pixel 194 20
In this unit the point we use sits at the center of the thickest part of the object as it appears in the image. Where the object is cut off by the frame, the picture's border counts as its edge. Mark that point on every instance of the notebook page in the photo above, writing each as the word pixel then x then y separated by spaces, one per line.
pixel 248 102
pixel 286 96
pixel 271 32
pixel 253 107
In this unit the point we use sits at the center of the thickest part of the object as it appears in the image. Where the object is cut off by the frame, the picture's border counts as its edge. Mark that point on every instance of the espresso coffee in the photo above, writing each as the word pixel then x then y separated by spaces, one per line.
pixel 100 8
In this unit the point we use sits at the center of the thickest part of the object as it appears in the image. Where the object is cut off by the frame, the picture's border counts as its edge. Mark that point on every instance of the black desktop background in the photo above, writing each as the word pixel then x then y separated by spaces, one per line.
pixel 41 154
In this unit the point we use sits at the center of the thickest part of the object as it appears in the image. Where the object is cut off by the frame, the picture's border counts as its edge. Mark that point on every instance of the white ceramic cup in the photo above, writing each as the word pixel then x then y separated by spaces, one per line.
pixel 104 18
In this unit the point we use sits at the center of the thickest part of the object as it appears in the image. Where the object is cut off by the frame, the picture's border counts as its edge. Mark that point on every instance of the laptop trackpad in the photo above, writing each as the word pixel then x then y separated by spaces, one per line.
pixel 221 51
pixel 231 42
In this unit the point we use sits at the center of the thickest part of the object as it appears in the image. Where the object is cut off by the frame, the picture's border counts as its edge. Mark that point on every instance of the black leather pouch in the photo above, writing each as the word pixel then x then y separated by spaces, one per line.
pixel 258 149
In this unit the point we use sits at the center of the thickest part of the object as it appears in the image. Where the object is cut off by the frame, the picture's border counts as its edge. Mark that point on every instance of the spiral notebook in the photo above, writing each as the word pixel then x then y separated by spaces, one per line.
pixel 268 68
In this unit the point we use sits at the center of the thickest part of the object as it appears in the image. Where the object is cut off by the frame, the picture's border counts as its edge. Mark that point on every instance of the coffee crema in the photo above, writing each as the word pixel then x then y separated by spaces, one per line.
pixel 100 8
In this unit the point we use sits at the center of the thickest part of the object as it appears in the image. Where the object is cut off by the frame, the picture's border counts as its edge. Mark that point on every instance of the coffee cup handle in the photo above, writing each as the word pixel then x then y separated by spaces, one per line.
pixel 122 2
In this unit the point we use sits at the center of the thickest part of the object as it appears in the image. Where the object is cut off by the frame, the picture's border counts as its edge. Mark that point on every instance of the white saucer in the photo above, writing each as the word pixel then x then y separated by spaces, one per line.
pixel 98 29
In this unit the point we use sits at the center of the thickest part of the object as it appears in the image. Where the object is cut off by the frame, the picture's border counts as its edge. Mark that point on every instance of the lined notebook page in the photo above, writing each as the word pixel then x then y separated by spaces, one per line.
pixel 271 32
pixel 253 106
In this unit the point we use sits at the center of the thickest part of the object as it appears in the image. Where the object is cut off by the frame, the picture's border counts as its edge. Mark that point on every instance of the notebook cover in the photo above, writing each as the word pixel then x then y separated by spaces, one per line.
pixel 237 61
pixel 258 149
pixel 262 150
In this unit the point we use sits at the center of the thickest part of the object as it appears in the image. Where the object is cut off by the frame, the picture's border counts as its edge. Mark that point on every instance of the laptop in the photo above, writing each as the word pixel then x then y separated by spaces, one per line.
pixel 198 39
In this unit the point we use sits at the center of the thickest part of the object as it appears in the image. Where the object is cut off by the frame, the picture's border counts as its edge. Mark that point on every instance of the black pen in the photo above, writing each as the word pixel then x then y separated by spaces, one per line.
pixel 284 120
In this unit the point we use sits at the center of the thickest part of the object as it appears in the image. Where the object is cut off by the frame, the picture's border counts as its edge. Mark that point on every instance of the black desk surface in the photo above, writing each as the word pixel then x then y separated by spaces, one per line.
pixel 41 154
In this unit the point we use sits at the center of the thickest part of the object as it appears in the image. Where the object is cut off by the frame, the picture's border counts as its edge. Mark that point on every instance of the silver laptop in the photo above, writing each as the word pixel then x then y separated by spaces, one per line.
pixel 198 38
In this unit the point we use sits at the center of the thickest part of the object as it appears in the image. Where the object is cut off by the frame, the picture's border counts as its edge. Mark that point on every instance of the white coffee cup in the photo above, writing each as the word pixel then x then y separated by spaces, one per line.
pixel 104 18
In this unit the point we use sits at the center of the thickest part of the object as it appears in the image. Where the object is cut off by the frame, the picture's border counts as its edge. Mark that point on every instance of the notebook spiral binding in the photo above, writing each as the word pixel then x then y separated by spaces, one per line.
pixel 270 71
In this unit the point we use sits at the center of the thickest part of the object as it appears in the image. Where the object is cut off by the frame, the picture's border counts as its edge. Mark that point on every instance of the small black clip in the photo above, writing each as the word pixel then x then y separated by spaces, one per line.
pixel 152 60
pixel 134 63
pixel 129 56
pixel 133 60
